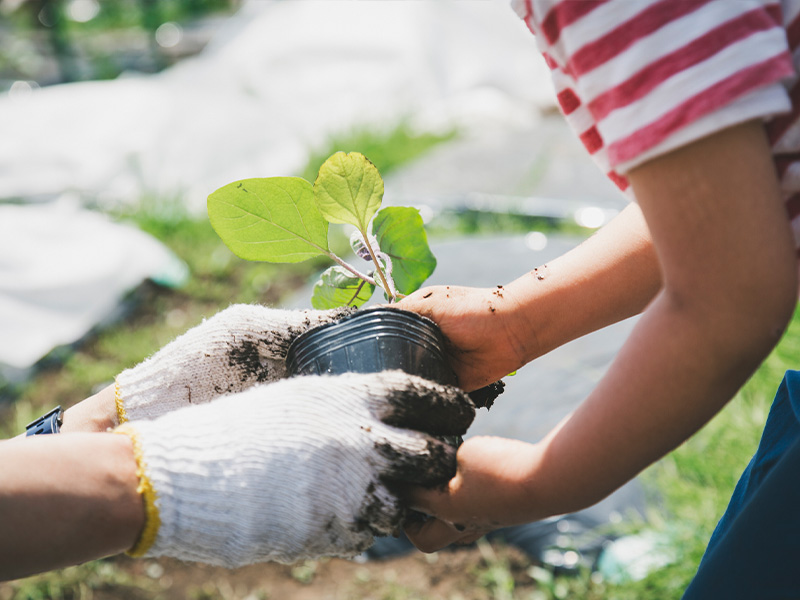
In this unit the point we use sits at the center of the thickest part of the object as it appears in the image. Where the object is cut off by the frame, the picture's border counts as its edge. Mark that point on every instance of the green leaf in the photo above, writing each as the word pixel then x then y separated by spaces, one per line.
pixel 272 219
pixel 348 189
pixel 338 287
pixel 401 234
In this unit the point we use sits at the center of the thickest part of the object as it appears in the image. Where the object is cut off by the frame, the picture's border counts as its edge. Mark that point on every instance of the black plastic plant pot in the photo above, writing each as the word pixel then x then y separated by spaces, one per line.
pixel 370 341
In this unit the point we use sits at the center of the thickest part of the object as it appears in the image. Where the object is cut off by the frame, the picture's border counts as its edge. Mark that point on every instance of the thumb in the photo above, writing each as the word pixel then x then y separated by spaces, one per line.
pixel 418 301
pixel 432 534
pixel 431 501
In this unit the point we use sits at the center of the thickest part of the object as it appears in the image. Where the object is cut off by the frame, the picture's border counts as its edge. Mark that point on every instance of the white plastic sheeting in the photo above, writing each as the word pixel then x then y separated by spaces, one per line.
pixel 54 289
pixel 278 80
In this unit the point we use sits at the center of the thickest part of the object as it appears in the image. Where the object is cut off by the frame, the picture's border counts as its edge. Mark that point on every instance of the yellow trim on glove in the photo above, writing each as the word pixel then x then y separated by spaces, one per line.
pixel 122 416
pixel 147 491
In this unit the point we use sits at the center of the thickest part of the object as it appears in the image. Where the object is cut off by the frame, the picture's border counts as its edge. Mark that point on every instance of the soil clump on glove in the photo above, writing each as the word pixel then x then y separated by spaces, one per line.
pixel 255 358
pixel 485 396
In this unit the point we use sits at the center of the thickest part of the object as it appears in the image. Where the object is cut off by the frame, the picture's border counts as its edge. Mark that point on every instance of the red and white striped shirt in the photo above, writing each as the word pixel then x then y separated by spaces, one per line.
pixel 638 78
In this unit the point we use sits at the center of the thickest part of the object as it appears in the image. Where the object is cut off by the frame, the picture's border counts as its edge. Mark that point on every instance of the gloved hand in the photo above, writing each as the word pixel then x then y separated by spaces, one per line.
pixel 292 470
pixel 238 347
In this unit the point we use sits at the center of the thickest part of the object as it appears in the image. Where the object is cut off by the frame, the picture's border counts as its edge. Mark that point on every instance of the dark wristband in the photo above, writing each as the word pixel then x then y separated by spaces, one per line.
pixel 47 423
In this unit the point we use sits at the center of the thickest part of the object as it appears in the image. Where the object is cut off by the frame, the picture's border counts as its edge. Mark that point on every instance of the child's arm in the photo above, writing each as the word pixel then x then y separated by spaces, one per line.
pixel 494 331
pixel 727 259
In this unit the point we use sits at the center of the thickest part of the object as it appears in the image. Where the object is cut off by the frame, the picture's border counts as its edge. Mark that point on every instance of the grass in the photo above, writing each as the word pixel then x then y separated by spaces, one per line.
pixel 81 582
pixel 386 149
pixel 117 39
pixel 468 222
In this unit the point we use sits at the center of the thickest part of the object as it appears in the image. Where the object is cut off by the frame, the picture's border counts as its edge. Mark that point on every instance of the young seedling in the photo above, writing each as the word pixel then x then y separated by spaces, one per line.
pixel 285 219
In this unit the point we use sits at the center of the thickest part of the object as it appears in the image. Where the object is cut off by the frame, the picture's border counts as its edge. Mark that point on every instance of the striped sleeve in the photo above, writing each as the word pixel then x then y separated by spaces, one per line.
pixel 638 78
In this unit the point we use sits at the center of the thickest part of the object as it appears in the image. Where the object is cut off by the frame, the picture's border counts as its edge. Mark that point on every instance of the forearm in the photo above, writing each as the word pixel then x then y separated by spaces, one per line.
pixel 494 331
pixel 66 499
pixel 611 276
pixel 654 396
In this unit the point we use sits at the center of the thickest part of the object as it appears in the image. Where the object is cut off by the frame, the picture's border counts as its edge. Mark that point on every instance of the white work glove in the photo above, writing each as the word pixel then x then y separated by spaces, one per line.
pixel 292 470
pixel 238 347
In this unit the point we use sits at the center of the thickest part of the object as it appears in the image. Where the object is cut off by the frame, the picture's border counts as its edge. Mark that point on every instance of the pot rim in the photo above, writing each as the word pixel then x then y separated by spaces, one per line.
pixel 410 325
pixel 364 313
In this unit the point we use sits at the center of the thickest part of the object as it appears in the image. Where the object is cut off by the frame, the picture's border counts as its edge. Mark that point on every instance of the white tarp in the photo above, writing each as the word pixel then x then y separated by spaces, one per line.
pixel 277 81
pixel 54 289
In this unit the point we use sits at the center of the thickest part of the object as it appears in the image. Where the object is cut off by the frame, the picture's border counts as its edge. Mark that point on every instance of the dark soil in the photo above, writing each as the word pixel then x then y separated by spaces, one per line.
pixel 457 574
pixel 485 396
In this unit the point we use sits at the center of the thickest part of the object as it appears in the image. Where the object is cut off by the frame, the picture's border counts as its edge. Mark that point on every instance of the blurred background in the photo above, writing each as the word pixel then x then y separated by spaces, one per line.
pixel 118 118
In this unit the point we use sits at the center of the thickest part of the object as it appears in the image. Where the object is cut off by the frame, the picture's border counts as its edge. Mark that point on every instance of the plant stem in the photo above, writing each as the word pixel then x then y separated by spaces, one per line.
pixel 353 270
pixel 387 271
pixel 386 288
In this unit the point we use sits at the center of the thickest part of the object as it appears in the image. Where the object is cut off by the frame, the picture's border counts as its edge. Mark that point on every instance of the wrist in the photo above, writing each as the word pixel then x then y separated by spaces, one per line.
pixel 539 487
pixel 531 317
pixel 95 414
pixel 530 495
pixel 151 520
pixel 128 498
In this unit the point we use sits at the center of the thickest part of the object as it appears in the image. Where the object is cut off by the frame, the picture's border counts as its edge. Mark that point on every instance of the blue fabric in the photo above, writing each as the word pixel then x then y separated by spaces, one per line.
pixel 755 549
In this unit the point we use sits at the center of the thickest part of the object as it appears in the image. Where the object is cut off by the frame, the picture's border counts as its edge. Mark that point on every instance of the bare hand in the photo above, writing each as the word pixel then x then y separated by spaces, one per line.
pixel 484 341
pixel 490 490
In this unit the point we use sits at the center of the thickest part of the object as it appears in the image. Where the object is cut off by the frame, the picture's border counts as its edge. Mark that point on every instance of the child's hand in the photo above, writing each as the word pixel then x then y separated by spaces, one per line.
pixel 485 341
pixel 491 489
